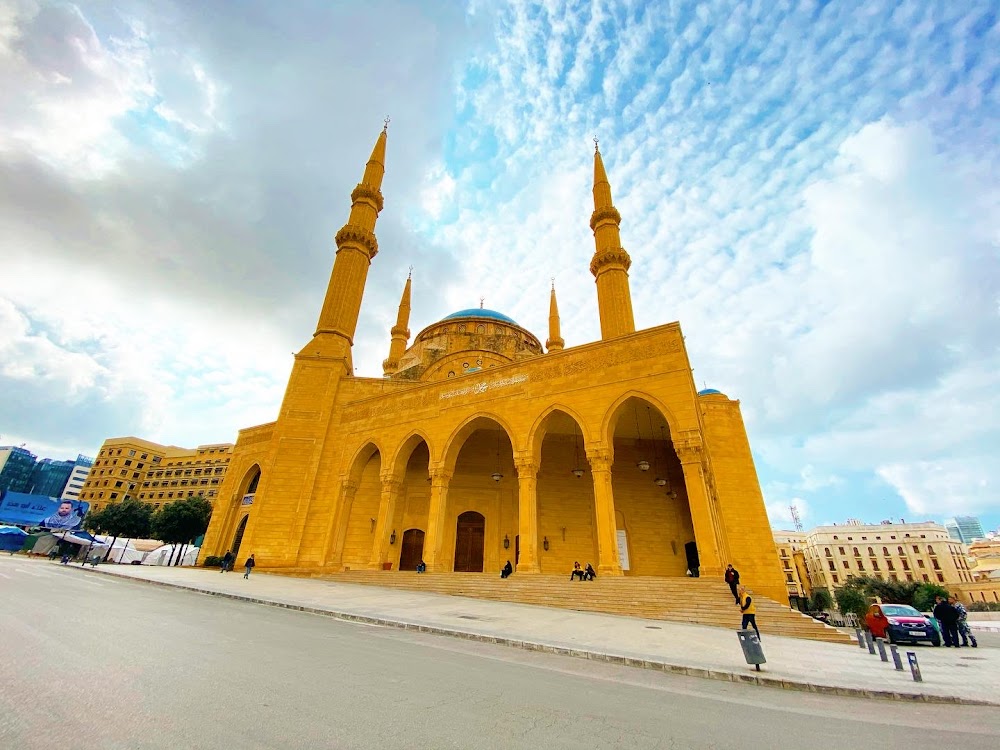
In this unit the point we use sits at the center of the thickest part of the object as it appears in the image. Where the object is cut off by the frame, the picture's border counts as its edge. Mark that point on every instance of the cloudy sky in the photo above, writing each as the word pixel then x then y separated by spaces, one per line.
pixel 810 188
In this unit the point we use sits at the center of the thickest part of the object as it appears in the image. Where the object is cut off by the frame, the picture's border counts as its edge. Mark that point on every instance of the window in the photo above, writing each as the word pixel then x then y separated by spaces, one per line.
pixel 920 563
pixel 909 576
pixel 930 550
pixel 889 565
pixel 832 566
pixel 926 578
pixel 900 551
pixel 916 548
pixel 874 564
pixel 861 564
pixel 906 566
pixel 131 453
pixel 144 456
pixel 934 563
pixel 847 565
pixel 885 551
pixel 841 550
pixel 835 579
pixel 940 578
pixel 871 552
pixel 856 553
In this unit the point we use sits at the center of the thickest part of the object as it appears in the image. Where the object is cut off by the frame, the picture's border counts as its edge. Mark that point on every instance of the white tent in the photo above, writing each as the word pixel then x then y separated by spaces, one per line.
pixel 162 555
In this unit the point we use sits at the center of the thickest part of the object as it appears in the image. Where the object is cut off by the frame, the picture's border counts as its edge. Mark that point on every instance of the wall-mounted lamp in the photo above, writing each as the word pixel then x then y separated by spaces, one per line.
pixel 392 537
pixel 373 527
pixel 506 542
pixel 545 543
pixel 643 465
pixel 661 481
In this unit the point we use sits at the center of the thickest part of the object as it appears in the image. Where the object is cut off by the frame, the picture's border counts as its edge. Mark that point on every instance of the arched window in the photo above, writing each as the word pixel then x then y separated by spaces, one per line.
pixel 885 551
pixel 856 553
pixel 826 550
pixel 899 550
pixel 871 552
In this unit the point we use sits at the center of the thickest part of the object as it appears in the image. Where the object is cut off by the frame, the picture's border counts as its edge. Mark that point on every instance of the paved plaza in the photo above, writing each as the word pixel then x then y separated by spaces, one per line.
pixel 971 675
pixel 137 666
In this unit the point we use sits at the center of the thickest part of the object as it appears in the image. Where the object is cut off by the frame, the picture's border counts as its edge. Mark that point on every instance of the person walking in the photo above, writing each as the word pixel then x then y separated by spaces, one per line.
pixel 733 579
pixel 227 561
pixel 947 615
pixel 748 608
pixel 964 631
pixel 249 566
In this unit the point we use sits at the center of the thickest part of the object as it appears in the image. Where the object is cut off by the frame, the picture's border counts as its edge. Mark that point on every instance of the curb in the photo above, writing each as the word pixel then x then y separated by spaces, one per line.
pixel 655 665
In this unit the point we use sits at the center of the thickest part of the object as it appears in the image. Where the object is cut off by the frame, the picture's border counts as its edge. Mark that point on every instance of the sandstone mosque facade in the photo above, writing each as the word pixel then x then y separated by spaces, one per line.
pixel 480 445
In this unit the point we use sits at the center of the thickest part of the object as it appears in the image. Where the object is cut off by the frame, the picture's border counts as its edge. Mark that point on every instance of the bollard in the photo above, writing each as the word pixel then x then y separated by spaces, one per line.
pixel 911 657
pixel 896 660
pixel 880 643
pixel 861 638
pixel 869 642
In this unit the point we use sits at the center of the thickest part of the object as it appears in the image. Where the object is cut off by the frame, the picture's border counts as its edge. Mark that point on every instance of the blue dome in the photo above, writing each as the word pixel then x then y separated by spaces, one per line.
pixel 480 312
pixel 709 392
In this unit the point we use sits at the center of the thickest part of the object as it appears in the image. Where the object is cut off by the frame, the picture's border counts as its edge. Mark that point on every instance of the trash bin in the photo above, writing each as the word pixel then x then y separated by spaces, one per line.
pixel 752 650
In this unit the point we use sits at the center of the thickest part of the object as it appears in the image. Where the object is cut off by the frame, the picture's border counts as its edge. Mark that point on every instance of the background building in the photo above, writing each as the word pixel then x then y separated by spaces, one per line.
pixel 791 551
pixel 49 477
pixel 965 528
pixel 154 473
pixel 922 552
pixel 77 478
pixel 16 467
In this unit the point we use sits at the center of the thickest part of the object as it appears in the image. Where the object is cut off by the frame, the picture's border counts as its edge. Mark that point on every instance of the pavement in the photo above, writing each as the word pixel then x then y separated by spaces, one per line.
pixel 966 675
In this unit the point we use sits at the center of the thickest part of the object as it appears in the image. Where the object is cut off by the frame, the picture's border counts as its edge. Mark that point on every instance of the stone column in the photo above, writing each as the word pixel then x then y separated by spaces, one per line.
pixel 604 510
pixel 691 454
pixel 527 515
pixel 338 531
pixel 435 519
pixel 386 511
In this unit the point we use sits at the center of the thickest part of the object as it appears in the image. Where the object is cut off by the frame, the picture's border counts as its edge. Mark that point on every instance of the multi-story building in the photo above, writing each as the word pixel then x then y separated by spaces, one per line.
pixel 965 529
pixel 154 473
pixel 922 552
pixel 49 477
pixel 16 467
pixel 791 551
pixel 77 478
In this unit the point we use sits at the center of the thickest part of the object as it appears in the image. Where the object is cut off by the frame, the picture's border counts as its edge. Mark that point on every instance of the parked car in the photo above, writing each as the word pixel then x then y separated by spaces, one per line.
pixel 901 622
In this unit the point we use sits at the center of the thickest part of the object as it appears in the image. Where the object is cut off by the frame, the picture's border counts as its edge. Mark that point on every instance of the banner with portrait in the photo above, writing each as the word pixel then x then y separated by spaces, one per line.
pixel 20 509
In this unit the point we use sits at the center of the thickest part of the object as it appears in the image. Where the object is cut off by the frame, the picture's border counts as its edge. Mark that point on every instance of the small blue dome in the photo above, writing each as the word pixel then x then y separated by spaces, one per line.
pixel 480 312
pixel 709 392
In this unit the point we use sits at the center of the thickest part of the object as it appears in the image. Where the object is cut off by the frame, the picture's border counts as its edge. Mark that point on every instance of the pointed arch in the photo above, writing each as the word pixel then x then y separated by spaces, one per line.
pixel 537 431
pixel 396 463
pixel 479 420
pixel 613 412
pixel 361 458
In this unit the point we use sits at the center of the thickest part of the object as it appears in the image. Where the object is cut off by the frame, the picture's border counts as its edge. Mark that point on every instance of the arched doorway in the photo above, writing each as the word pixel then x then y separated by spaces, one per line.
pixel 238 539
pixel 412 549
pixel 470 538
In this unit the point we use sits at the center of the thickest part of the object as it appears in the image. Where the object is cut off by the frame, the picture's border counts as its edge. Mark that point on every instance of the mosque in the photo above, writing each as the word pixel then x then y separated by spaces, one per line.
pixel 480 445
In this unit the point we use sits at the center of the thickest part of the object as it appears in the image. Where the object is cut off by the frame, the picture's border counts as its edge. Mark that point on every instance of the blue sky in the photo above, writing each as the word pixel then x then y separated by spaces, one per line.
pixel 809 188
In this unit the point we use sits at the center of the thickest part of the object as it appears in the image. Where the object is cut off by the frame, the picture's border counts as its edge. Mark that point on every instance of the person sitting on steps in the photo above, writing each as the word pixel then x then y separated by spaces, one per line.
pixel 589 574
pixel 577 572
pixel 421 567
pixel 507 570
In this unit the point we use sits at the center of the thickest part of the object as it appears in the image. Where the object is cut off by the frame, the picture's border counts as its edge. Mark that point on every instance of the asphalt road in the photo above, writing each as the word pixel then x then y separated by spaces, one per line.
pixel 91 661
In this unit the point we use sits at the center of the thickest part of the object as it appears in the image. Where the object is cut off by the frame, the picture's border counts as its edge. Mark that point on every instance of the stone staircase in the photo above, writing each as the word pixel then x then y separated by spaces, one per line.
pixel 690 600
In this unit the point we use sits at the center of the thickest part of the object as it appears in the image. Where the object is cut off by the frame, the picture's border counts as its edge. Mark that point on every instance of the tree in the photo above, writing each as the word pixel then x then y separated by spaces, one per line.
pixel 131 519
pixel 181 521
pixel 820 600
pixel 923 599
pixel 94 521
pixel 851 599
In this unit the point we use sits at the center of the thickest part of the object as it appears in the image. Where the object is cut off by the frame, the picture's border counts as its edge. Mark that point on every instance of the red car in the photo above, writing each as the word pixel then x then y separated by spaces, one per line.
pixel 900 622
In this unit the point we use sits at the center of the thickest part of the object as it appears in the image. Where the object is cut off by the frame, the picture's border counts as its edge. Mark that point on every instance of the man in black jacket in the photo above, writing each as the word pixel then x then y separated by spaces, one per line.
pixel 947 615
pixel 733 579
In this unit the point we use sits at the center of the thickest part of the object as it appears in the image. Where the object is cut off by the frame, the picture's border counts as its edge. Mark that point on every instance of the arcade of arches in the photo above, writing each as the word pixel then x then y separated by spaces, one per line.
pixel 480 444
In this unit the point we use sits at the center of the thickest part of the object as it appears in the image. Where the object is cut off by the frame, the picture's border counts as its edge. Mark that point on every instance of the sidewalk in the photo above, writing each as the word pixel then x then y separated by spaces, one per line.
pixel 950 675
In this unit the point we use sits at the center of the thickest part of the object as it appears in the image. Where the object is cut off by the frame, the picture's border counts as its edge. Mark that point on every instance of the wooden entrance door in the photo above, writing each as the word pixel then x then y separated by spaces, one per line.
pixel 470 538
pixel 412 551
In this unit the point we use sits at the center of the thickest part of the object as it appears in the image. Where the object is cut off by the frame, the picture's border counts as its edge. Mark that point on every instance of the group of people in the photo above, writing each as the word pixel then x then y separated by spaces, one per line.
pixel 743 599
pixel 584 574
pixel 229 560
pixel 954 619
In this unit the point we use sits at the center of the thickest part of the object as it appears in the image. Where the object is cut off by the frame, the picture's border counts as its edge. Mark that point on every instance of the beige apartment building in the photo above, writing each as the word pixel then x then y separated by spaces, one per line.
pixel 154 473
pixel 922 552
pixel 791 552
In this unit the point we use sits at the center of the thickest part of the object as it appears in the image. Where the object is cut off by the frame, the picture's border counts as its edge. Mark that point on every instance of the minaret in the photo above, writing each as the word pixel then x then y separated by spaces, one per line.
pixel 356 246
pixel 555 342
pixel 610 263
pixel 400 332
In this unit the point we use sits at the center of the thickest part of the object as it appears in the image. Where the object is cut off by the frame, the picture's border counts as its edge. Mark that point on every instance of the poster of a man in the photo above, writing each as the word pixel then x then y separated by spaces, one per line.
pixel 64 518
